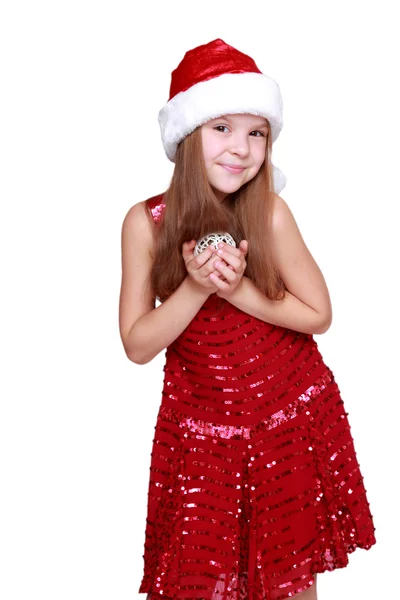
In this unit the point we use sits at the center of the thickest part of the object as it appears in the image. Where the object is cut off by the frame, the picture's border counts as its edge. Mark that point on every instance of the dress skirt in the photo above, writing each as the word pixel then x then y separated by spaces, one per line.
pixel 254 482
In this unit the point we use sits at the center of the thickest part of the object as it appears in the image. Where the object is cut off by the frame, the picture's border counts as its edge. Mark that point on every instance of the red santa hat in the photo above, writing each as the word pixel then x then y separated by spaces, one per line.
pixel 215 80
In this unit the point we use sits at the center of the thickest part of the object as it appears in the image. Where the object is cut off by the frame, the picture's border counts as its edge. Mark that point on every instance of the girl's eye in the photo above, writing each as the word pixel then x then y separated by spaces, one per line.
pixel 219 127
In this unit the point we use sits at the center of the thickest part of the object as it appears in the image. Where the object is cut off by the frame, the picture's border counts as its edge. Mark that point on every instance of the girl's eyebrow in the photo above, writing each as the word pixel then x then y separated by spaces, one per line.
pixel 258 125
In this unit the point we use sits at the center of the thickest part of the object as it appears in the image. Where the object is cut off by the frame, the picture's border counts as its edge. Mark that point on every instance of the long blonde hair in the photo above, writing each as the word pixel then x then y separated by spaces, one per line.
pixel 192 210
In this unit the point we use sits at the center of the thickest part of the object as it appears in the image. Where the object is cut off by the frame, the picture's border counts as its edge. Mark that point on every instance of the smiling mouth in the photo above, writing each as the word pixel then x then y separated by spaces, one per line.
pixel 233 168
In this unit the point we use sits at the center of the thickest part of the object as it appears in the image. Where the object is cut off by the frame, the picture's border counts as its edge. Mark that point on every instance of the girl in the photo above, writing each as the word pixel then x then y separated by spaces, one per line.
pixel 254 483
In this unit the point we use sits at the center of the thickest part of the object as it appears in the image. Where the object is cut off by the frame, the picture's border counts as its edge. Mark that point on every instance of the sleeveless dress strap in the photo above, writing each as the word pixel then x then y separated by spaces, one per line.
pixel 156 206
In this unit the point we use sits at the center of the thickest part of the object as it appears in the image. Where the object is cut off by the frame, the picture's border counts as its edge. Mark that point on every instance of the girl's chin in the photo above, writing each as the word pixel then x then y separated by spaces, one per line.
pixel 224 191
pixel 221 195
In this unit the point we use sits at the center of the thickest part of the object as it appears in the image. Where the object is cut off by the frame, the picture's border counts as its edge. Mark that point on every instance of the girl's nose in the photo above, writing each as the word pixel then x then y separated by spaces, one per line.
pixel 240 145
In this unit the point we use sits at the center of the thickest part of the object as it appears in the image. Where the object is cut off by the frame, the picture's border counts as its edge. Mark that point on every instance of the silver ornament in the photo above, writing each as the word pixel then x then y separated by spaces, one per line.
pixel 213 239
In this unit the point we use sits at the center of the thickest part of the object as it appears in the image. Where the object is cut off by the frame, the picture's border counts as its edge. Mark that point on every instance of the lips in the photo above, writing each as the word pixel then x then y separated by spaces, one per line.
pixel 233 168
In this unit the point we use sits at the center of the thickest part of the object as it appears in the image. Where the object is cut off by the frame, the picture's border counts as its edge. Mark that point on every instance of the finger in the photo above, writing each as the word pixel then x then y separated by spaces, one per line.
pixel 187 249
pixel 227 272
pixel 228 248
pixel 230 258
pixel 244 246
pixel 222 285
pixel 189 243
pixel 209 266
pixel 203 257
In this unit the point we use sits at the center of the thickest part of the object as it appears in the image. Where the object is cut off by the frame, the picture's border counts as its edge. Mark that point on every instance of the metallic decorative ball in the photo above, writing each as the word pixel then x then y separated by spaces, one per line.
pixel 213 239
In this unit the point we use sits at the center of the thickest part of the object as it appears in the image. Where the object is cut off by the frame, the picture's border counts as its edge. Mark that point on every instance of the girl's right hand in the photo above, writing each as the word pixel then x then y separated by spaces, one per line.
pixel 199 267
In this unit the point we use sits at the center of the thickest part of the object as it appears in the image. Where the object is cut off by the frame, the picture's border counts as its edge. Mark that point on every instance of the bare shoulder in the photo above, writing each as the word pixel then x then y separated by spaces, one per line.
pixel 285 230
pixel 138 226
pixel 281 214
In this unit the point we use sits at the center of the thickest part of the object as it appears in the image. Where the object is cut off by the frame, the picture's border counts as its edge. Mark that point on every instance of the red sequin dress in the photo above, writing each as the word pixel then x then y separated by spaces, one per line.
pixel 254 482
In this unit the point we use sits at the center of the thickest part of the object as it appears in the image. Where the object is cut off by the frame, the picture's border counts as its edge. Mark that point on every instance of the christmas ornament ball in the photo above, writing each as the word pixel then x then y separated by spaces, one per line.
pixel 213 239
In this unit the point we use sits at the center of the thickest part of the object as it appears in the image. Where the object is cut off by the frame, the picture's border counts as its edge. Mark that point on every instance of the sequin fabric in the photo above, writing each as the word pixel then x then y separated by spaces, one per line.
pixel 254 481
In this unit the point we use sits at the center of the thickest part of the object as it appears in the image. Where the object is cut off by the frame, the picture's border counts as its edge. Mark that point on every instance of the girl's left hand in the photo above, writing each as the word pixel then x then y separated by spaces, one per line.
pixel 232 271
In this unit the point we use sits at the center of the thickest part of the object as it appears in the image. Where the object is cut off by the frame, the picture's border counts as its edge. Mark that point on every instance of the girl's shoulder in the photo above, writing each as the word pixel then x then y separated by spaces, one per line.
pixel 139 221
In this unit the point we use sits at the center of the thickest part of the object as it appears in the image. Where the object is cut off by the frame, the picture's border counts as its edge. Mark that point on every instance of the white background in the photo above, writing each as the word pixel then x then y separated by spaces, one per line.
pixel 82 83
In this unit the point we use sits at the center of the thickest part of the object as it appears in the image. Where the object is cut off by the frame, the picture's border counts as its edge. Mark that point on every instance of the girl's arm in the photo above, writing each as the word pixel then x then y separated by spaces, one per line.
pixel 160 327
pixel 289 312
pixel 306 307
pixel 146 330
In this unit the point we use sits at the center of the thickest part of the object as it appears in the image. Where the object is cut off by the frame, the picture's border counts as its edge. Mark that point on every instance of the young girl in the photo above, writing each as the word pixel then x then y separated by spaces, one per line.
pixel 254 483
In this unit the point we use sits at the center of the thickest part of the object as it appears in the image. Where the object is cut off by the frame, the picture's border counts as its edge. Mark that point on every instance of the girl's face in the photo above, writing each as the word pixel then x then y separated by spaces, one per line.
pixel 234 148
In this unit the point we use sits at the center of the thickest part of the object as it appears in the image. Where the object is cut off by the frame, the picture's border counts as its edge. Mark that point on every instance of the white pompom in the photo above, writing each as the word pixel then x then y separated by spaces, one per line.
pixel 213 239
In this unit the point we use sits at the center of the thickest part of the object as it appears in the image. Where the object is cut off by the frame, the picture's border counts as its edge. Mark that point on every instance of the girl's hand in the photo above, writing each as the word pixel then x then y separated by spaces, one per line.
pixel 201 266
pixel 232 266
